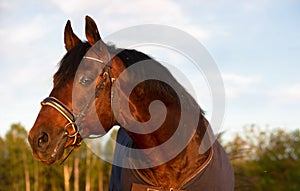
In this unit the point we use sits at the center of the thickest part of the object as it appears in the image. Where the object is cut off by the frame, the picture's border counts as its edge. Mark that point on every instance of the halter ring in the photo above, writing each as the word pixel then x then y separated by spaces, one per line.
pixel 74 126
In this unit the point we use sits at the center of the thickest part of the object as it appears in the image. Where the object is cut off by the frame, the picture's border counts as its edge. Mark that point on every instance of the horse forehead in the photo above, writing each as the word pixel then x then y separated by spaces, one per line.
pixel 62 90
pixel 98 50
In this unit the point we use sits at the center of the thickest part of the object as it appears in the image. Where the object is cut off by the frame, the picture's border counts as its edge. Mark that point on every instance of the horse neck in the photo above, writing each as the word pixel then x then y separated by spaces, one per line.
pixel 177 102
pixel 160 111
pixel 186 123
pixel 184 164
pixel 180 111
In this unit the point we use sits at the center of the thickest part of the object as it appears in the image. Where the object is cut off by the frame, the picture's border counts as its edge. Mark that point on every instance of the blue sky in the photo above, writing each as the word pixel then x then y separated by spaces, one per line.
pixel 256 45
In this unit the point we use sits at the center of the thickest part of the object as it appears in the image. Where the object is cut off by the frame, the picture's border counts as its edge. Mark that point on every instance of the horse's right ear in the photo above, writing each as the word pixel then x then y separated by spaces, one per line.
pixel 69 37
pixel 91 31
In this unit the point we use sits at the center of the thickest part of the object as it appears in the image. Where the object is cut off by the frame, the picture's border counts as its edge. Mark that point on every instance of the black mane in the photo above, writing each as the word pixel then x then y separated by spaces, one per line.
pixel 70 62
pixel 128 56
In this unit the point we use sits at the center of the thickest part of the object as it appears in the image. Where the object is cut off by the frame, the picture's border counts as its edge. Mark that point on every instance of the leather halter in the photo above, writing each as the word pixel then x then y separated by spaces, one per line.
pixel 67 113
pixel 73 119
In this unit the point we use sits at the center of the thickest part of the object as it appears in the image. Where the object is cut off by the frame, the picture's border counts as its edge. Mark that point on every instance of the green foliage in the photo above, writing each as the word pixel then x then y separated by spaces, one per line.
pixel 262 160
pixel 265 160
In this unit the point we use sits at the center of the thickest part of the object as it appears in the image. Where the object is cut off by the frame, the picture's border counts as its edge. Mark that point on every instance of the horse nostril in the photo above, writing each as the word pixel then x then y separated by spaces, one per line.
pixel 43 140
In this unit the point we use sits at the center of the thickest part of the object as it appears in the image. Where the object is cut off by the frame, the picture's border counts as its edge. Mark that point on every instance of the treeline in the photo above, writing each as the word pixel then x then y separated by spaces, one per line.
pixel 266 159
pixel 262 160
pixel 20 172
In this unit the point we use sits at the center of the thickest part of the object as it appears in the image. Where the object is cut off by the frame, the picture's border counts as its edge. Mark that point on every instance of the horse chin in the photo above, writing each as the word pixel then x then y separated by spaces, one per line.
pixel 55 155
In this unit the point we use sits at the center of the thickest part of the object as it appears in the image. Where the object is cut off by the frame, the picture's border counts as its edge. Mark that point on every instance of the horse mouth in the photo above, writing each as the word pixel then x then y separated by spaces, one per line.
pixel 54 155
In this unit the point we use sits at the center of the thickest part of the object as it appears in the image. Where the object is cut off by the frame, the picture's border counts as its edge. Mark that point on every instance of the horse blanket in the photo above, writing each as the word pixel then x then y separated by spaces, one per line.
pixel 216 175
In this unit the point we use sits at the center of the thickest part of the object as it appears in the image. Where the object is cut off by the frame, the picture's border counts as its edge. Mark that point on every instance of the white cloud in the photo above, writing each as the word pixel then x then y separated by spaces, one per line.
pixel 75 6
pixel 119 14
pixel 138 9
pixel 21 42
pixel 240 80
pixel 289 94
pixel 25 32
pixel 238 85
pixel 199 33
pixel 6 4
pixel 254 6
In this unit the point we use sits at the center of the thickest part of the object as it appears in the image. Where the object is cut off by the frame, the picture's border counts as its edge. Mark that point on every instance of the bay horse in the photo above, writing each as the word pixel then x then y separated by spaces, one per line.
pixel 101 76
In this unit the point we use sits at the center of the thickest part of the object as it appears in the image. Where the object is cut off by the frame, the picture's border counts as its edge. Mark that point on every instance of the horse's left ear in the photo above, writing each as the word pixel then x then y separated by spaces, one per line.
pixel 91 31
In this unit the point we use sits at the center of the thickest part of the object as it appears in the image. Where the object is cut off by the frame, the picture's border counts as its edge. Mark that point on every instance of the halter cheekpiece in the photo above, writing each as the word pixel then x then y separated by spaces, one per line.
pixel 73 119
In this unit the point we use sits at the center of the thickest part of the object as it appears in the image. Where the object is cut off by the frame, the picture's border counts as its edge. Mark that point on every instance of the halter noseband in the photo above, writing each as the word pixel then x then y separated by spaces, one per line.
pixel 74 120
pixel 67 113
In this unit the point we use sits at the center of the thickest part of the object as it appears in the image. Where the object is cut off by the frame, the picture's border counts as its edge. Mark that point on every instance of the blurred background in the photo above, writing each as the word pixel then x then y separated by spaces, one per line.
pixel 255 44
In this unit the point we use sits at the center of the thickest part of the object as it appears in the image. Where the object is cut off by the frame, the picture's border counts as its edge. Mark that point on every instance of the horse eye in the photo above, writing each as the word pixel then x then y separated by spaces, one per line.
pixel 84 80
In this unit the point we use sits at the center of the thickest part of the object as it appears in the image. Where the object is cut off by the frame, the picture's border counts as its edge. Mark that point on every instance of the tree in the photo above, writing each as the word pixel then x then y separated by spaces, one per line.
pixel 19 171
pixel 5 177
pixel 16 155
pixel 266 160
pixel 88 170
pixel 67 166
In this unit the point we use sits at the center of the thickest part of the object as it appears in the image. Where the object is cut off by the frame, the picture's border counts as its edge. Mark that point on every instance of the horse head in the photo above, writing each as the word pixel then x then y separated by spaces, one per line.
pixel 85 74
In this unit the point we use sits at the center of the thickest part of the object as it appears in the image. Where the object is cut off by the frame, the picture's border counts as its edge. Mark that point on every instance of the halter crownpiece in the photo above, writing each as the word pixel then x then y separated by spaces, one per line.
pixel 95 59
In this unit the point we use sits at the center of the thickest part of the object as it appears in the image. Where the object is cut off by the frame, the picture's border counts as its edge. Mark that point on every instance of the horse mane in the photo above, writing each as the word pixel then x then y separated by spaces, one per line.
pixel 69 63
pixel 131 56
pixel 128 56
pixel 71 60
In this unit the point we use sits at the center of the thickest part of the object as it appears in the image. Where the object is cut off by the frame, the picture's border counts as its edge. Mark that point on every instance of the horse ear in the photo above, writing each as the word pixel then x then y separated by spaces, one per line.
pixel 69 37
pixel 91 31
